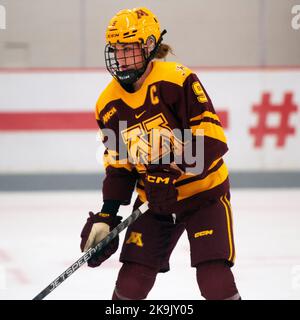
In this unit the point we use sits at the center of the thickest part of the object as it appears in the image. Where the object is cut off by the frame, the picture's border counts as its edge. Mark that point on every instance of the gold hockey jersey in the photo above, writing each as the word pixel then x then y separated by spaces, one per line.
pixel 171 97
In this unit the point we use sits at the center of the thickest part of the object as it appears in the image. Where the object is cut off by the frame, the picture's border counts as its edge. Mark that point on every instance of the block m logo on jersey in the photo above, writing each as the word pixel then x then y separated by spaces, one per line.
pixel 135 238
pixel 151 140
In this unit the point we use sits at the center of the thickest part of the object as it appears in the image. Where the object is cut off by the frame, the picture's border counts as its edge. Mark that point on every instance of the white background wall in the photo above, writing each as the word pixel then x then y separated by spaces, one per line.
pixel 71 33
pixel 234 91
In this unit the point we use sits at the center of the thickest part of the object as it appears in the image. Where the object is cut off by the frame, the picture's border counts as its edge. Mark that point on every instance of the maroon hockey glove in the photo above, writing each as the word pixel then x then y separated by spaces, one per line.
pixel 97 228
pixel 160 189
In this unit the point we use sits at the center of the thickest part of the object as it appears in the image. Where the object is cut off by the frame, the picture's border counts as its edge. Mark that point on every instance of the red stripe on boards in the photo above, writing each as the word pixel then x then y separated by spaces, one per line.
pixel 51 121
pixel 31 121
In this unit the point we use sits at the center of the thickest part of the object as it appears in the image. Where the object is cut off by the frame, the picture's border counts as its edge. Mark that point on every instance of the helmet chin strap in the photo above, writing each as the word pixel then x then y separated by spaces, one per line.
pixel 128 77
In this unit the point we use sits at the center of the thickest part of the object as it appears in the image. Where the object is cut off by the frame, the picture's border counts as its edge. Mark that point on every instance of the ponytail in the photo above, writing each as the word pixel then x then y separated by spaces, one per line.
pixel 163 51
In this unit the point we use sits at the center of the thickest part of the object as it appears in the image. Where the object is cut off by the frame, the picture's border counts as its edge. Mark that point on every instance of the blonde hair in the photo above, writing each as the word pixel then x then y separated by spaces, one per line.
pixel 163 50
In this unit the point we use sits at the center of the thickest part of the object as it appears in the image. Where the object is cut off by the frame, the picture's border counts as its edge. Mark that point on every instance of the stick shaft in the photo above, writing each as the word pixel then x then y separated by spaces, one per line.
pixel 87 256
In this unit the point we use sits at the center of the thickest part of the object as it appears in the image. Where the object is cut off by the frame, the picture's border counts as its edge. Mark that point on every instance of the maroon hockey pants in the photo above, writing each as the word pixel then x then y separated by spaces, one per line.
pixel 215 280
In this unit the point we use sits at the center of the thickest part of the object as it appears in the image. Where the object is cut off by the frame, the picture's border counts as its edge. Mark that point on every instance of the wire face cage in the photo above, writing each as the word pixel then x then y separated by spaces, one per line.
pixel 125 61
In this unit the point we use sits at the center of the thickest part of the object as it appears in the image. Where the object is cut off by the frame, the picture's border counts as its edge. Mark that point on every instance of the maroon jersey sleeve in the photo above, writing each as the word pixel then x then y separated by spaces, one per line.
pixel 197 112
pixel 121 176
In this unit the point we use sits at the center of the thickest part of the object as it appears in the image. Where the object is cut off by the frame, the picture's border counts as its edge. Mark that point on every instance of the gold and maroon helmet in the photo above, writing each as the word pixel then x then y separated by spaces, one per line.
pixel 131 27
pixel 135 25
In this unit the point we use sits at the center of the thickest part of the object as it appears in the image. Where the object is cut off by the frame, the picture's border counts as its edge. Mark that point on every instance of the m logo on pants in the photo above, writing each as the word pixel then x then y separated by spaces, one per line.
pixel 135 238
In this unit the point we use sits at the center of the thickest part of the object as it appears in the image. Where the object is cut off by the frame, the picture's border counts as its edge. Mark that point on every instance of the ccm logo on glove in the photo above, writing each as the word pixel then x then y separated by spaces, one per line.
pixel 155 179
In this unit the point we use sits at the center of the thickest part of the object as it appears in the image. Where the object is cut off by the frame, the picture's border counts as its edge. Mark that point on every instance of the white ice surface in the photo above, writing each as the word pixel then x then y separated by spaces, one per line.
pixel 39 239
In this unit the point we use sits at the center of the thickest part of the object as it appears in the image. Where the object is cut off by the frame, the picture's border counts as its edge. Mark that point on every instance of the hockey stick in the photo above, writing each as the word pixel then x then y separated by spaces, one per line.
pixel 87 256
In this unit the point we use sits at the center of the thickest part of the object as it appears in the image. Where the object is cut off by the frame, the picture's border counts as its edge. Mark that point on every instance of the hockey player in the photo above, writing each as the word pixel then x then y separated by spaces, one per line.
pixel 152 94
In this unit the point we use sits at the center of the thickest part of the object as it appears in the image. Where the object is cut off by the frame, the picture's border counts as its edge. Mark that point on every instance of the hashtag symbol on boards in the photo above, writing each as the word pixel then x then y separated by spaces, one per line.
pixel 283 129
